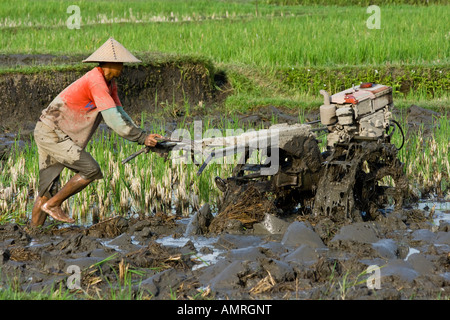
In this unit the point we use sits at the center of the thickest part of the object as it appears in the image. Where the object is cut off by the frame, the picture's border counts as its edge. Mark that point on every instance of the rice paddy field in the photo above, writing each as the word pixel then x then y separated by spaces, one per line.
pixel 272 50
pixel 277 53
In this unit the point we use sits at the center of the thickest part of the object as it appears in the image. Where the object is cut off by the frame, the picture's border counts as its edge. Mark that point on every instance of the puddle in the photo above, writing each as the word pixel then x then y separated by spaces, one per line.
pixel 205 244
pixel 134 241
pixel 410 252
pixel 111 246
pixel 441 213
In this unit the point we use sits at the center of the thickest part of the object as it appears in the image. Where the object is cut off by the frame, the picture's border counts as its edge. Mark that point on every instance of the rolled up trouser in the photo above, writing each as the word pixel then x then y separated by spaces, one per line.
pixel 56 152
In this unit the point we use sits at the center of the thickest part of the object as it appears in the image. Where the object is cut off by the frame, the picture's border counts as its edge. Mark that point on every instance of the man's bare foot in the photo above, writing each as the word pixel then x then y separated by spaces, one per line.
pixel 57 213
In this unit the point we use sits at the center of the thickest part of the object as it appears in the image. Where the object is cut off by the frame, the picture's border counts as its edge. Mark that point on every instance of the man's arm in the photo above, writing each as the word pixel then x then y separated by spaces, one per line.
pixel 118 120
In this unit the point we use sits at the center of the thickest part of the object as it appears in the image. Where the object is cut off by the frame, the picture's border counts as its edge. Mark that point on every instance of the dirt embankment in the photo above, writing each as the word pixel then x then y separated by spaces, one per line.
pixel 162 83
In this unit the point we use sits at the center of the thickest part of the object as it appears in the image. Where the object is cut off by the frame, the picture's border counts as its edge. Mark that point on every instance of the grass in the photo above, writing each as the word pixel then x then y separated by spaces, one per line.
pixel 298 88
pixel 147 184
pixel 273 52
pixel 231 32
pixel 352 2
pixel 119 286
pixel 109 279
pixel 18 294
pixel 430 166
pixel 339 286
pixel 10 289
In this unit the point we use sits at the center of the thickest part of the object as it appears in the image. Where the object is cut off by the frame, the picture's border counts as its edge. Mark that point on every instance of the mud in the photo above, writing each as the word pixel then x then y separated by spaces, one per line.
pixel 158 83
pixel 14 60
pixel 264 256
pixel 296 257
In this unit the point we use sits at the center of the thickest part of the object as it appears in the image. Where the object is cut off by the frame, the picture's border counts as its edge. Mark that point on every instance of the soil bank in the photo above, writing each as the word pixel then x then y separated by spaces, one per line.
pixel 162 82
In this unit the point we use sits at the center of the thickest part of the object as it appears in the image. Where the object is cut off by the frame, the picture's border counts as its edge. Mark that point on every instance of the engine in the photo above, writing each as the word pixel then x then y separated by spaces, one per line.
pixel 361 112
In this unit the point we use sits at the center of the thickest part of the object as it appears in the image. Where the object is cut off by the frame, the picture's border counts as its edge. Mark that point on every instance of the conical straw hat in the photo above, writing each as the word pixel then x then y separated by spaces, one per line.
pixel 112 51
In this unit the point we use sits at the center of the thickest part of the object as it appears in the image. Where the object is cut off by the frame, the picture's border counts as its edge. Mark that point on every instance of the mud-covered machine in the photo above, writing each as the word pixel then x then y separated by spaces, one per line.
pixel 357 174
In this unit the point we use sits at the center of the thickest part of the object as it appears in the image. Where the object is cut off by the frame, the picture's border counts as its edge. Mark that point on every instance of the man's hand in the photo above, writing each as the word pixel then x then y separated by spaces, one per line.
pixel 152 139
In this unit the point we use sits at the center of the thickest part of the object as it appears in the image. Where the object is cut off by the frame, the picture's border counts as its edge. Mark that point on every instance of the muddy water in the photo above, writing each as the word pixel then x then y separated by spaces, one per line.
pixel 439 211
pixel 285 258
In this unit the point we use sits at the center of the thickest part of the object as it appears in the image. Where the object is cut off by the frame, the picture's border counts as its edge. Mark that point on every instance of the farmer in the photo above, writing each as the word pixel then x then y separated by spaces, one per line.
pixel 68 123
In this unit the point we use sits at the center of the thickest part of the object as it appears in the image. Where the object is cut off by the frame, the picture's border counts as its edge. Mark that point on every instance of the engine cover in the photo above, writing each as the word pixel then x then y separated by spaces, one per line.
pixel 361 111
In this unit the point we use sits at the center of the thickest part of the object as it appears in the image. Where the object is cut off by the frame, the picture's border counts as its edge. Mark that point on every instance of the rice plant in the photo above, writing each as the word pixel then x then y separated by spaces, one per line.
pixel 231 32
pixel 149 184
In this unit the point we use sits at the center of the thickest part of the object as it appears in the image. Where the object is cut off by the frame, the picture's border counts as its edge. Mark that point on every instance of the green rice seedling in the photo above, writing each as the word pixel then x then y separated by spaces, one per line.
pixel 149 184
pixel 426 158
pixel 277 36
pixel 124 288
pixel 10 289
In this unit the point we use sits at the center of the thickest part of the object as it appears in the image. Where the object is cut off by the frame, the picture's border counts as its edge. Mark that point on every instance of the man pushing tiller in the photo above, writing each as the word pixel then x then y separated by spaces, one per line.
pixel 68 123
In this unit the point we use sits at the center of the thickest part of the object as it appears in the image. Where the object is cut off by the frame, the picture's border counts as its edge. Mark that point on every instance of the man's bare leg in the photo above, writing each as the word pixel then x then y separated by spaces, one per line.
pixel 37 215
pixel 53 205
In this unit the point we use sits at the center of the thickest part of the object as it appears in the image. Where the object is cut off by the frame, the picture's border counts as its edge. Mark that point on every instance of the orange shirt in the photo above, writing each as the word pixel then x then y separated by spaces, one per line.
pixel 76 110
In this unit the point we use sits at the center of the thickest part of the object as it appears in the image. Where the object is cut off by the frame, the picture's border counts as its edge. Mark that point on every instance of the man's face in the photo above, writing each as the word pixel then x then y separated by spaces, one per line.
pixel 112 69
